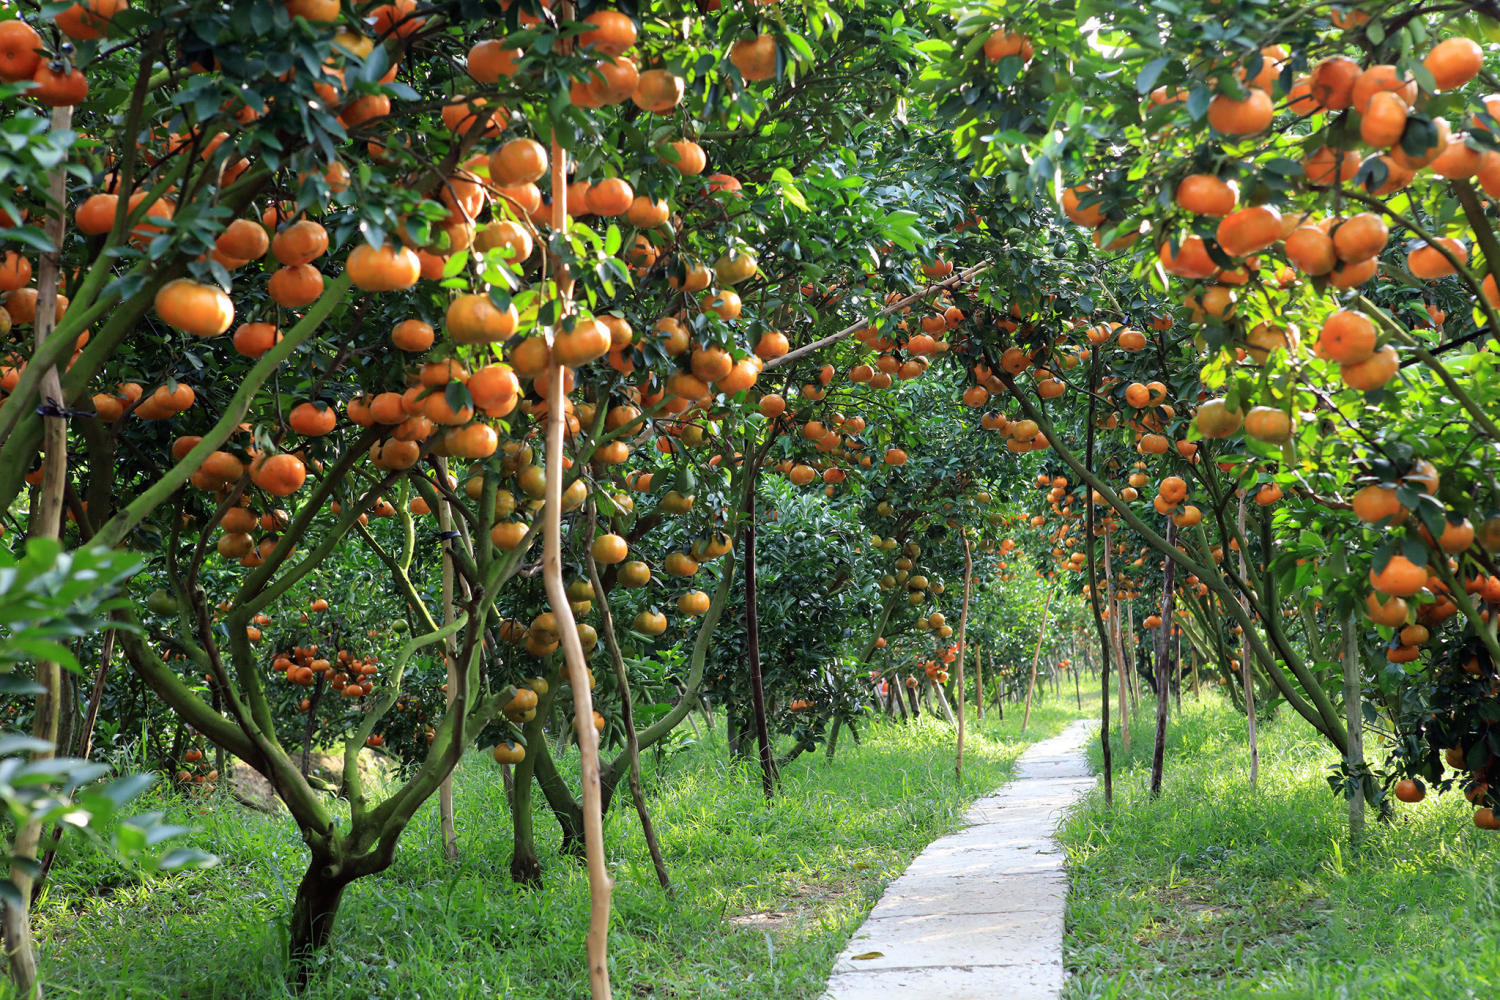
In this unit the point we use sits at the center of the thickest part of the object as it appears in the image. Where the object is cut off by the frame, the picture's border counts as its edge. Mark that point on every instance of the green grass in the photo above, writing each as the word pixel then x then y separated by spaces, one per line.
pixel 811 863
pixel 1218 891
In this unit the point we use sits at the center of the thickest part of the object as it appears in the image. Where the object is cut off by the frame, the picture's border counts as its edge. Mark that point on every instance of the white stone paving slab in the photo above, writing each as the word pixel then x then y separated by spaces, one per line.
pixel 979 914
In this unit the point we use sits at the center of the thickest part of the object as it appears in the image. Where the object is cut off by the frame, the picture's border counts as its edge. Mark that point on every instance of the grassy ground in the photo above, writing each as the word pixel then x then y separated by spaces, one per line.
pixel 767 894
pixel 1218 891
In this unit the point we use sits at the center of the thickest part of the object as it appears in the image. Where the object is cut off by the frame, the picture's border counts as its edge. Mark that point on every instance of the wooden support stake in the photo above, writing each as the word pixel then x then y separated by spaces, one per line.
pixel 600 883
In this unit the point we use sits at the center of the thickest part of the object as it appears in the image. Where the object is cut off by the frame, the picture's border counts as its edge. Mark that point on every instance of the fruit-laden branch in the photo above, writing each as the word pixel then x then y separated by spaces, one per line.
pixel 403 578
pixel 661 727
pixel 1104 637
pixel 114 532
pixel 381 704
pixel 1477 412
pixel 84 311
pixel 1334 732
pixel 245 607
pixel 928 292
pixel 1265 611
pixel 627 709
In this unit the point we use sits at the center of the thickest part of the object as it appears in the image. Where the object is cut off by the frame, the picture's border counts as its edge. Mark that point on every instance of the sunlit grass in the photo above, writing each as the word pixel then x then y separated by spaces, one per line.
pixel 1216 890
pixel 767 893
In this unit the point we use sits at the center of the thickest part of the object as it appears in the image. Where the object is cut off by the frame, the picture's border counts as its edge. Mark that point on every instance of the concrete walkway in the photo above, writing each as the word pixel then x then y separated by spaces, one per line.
pixel 979 914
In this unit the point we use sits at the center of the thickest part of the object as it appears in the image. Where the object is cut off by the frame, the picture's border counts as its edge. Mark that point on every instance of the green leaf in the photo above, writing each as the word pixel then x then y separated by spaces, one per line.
pixel 1145 80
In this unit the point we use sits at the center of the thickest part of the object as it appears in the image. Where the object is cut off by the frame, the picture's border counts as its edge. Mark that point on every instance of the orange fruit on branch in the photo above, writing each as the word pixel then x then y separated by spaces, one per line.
pixel 196 308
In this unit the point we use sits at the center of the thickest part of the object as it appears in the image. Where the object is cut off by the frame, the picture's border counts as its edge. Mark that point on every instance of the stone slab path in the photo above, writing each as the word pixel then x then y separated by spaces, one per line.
pixel 979 914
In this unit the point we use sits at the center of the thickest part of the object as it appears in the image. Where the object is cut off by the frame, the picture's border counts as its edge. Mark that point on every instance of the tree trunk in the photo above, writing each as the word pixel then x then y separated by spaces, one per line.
pixel 1176 668
pixel 1163 638
pixel 627 713
pixel 752 649
pixel 1116 643
pixel 963 627
pixel 1354 757
pixel 566 809
pixel 313 913
pixel 1099 624
pixel 1247 677
pixel 1035 656
pixel 935 690
pixel 445 790
pixel 83 742
pixel 46 522
pixel 979 682
pixel 525 868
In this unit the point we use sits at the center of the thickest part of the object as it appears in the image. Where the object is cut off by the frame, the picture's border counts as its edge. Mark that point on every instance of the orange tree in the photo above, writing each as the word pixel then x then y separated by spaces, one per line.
pixel 1310 183
pixel 260 264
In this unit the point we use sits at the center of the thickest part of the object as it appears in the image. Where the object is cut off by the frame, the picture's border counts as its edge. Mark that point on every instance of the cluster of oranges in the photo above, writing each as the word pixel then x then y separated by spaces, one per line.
pixel 348 675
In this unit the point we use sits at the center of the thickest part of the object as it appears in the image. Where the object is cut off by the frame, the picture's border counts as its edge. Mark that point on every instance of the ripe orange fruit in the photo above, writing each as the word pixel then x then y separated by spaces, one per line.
pixel 58 89
pixel 1325 166
pixel 694 602
pixel 1389 611
pixel 611 33
pixel 312 419
pixel 296 286
pixel 1310 250
pixel 1453 62
pixel 1383 120
pixel 1249 230
pixel 1458 159
pixel 388 268
pixel 412 335
pixel 1375 503
pixel 1348 337
pixel 489 60
pixel 1002 43
pixel 1205 194
pixel 1245 116
pixel 1360 237
pixel 658 91
pixel 192 307
pixel 1190 261
pixel 1350 275
pixel 246 239
pixel 610 197
pixel 300 243
pixel 281 474
pixel 254 339
pixel 586 341
pixel 1332 82
pixel 1091 217
pixel 1378 78
pixel 1408 790
pixel 15 271
pixel 755 58
pixel 1268 423
pixel 519 161
pixel 1399 578
pixel 19 45
pixel 1372 373
pixel 1425 261
pixel 1216 420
